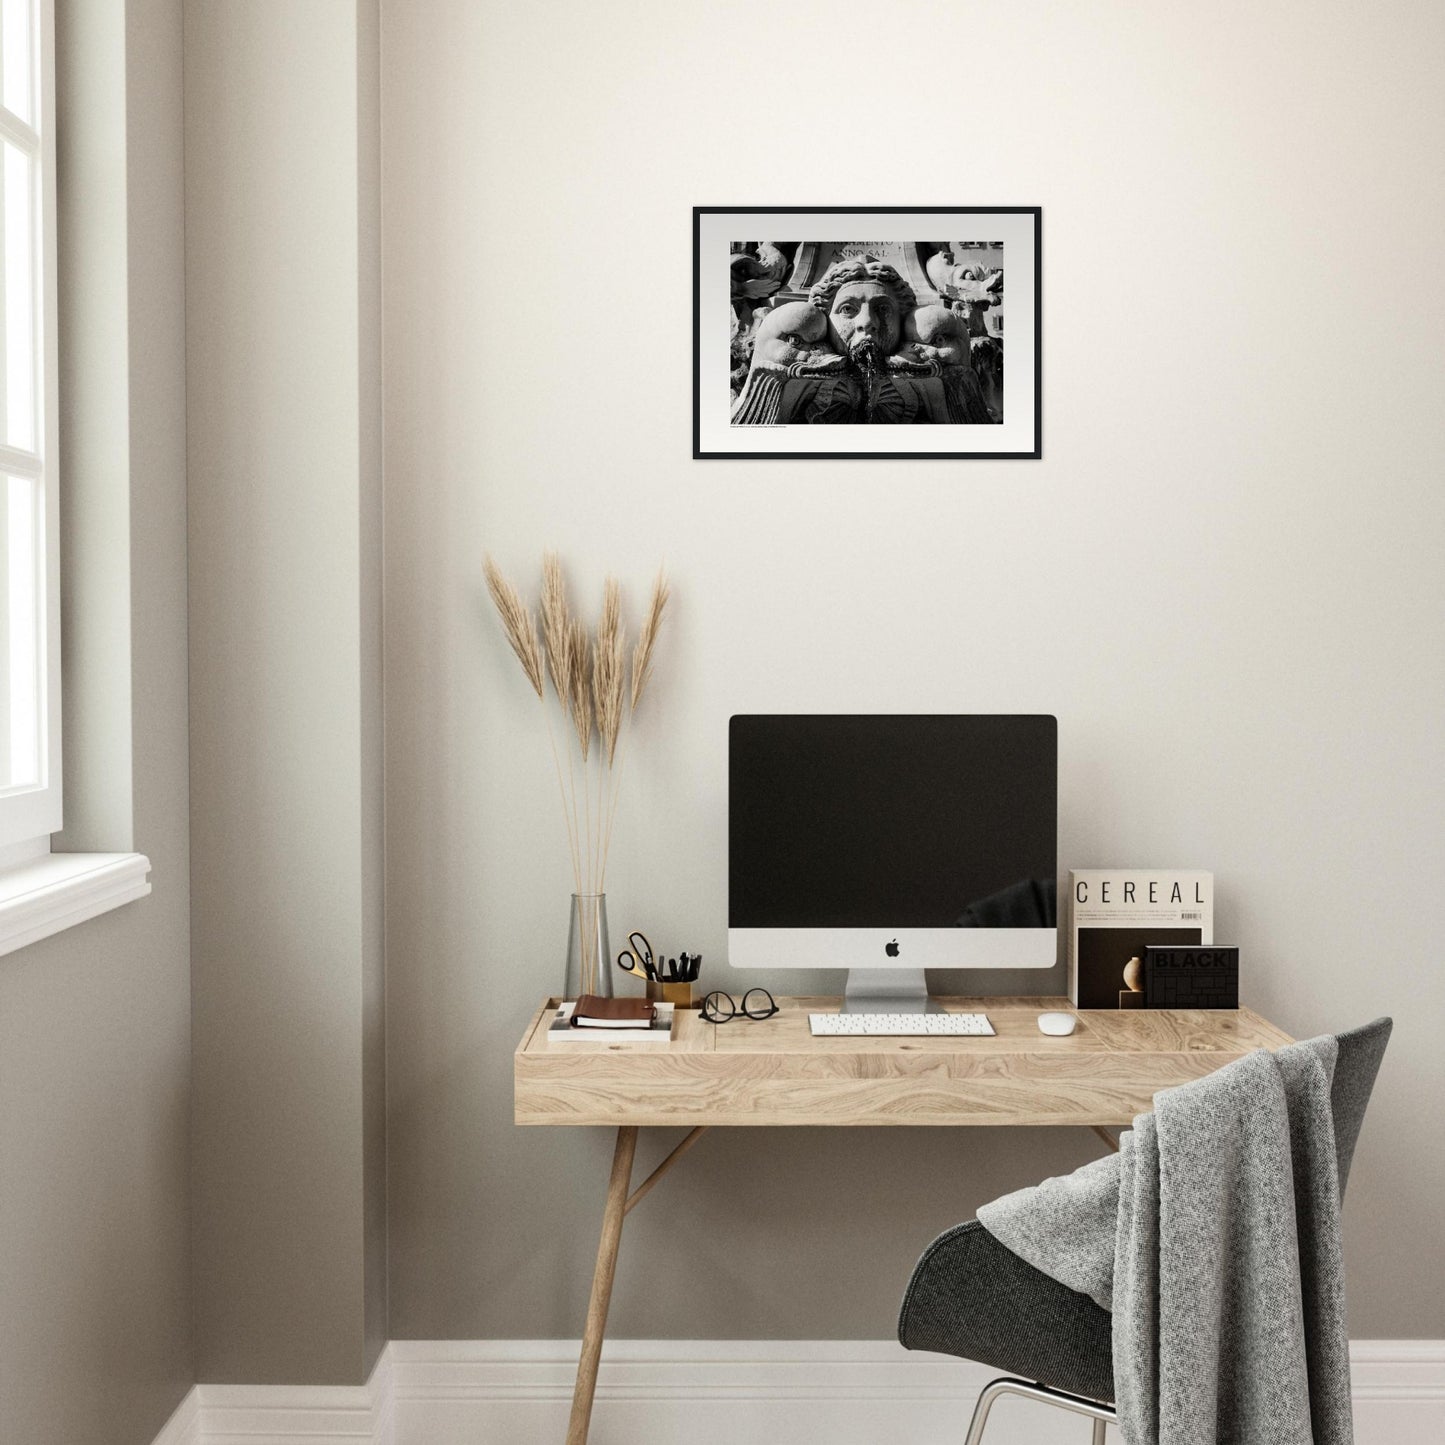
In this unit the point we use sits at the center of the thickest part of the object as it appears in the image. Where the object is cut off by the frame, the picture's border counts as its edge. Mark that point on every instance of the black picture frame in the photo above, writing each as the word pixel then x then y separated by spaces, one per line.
pixel 1027 446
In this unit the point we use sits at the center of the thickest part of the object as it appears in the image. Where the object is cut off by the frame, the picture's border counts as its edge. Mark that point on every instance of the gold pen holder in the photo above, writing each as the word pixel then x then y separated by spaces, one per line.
pixel 677 994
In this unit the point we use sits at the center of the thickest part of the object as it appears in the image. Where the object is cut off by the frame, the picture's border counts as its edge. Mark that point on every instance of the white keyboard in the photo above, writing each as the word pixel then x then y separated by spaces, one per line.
pixel 899 1025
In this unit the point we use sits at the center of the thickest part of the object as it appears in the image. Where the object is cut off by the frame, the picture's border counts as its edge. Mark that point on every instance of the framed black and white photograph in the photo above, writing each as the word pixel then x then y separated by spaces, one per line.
pixel 849 349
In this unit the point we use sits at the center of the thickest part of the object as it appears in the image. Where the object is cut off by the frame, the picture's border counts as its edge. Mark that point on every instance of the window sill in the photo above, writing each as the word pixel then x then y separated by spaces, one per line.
pixel 59 890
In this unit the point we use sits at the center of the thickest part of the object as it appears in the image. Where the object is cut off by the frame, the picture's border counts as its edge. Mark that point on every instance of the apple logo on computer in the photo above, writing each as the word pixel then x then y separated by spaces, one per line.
pixel 891 949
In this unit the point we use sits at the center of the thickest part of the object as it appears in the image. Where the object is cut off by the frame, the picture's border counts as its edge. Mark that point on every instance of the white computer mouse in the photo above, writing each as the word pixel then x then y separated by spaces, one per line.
pixel 1058 1024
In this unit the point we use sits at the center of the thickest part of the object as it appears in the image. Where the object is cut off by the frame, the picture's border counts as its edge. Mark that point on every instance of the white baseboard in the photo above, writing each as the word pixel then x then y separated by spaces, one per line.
pixel 301 1415
pixel 711 1392
pixel 184 1427
pixel 288 1414
pixel 1398 1390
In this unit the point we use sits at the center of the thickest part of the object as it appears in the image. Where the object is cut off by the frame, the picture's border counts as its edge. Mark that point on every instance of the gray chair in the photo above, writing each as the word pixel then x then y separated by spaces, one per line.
pixel 972 1297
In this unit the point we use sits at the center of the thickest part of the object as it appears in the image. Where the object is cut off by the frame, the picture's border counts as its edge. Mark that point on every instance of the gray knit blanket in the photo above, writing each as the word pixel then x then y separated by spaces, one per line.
pixel 1214 1237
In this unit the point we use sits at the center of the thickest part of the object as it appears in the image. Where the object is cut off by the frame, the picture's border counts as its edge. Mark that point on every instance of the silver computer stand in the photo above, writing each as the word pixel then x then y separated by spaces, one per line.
pixel 887 991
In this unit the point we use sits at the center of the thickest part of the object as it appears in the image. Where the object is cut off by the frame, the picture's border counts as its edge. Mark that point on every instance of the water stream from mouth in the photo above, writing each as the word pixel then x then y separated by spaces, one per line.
pixel 864 357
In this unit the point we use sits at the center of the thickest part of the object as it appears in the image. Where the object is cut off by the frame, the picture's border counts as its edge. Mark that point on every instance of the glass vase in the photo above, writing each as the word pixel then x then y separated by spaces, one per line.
pixel 589 955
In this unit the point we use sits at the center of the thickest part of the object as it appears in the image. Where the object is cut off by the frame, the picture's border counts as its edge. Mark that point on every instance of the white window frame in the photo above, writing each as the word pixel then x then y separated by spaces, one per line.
pixel 30 814
pixel 42 892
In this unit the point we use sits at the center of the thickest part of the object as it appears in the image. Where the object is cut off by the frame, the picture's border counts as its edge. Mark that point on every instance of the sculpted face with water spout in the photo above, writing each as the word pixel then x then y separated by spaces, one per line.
pixel 865 302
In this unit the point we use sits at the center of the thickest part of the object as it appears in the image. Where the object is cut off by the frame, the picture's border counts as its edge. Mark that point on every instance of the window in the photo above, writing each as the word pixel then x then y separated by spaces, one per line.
pixel 41 892
pixel 30 798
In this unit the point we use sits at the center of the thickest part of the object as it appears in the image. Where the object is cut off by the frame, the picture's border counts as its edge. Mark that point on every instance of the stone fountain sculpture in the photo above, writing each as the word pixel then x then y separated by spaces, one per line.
pixel 974 291
pixel 860 350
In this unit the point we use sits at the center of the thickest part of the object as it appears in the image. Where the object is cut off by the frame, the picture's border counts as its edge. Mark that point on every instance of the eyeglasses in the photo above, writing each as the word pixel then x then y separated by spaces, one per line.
pixel 719 1007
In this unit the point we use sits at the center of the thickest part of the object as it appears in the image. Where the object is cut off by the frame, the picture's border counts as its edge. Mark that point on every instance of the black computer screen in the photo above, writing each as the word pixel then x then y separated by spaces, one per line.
pixel 892 821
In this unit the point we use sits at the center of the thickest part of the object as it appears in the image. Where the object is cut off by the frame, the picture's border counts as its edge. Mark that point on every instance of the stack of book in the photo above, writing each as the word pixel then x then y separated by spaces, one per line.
pixel 1116 914
pixel 592 1020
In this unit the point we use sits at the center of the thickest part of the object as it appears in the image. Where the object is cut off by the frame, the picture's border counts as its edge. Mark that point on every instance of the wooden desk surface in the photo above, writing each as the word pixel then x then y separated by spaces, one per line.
pixel 774 1072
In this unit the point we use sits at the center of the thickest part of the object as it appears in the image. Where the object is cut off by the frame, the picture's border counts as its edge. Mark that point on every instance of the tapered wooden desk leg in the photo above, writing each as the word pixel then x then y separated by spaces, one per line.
pixel 602 1286
pixel 1106 1136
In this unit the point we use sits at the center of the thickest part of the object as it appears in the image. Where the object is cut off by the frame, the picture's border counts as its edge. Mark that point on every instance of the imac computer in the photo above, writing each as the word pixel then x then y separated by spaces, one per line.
pixel 889 844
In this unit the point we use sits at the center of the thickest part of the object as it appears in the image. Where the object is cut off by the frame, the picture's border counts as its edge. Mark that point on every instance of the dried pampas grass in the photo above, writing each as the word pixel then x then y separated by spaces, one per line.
pixel 579 686
pixel 647 638
pixel 608 669
pixel 589 681
pixel 518 623
pixel 555 630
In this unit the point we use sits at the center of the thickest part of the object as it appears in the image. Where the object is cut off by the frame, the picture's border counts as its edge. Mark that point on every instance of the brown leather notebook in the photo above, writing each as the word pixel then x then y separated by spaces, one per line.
pixel 593 1012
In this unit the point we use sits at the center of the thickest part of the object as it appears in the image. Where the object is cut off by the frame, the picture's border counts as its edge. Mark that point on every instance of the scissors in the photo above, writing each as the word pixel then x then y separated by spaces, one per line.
pixel 637 958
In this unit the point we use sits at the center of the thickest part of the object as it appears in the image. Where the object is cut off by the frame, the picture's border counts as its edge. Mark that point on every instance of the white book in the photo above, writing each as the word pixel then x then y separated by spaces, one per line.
pixel 562 1031
pixel 1115 912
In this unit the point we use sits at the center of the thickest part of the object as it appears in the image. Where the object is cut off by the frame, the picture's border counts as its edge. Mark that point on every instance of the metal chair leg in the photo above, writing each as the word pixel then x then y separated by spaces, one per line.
pixel 980 1411
pixel 1099 1413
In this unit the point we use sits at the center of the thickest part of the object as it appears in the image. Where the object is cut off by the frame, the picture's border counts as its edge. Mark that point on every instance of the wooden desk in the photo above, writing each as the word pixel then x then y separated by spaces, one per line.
pixel 773 1072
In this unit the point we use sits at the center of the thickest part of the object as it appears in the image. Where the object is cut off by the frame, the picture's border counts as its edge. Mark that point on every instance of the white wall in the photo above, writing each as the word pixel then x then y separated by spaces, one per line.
pixel 1223 577
pixel 95 1036
pixel 284 522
